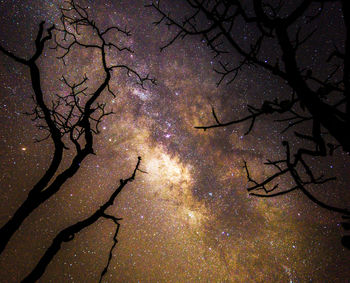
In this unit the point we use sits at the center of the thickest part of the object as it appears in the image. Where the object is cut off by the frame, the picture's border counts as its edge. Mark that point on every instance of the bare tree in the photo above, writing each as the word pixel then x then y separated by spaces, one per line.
pixel 317 106
pixel 70 120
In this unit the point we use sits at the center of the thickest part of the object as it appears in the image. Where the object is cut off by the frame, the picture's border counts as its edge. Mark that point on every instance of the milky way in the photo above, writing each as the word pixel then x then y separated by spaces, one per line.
pixel 188 218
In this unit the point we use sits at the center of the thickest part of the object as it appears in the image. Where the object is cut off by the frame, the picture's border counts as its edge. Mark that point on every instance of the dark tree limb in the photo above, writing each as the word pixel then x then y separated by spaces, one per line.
pixel 68 234
pixel 115 241
pixel 32 201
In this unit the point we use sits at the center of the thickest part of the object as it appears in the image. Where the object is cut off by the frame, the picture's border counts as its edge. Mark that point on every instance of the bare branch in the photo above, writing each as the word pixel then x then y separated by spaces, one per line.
pixel 68 233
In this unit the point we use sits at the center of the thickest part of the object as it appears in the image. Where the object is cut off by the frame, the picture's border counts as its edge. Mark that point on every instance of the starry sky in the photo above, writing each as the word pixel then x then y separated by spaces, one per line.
pixel 189 219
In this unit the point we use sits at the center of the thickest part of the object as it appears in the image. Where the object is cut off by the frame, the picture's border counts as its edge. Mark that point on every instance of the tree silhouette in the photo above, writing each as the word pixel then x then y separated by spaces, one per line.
pixel 317 106
pixel 70 120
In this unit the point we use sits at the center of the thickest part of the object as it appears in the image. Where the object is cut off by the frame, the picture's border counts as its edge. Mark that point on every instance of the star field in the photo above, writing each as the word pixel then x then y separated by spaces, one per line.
pixel 189 217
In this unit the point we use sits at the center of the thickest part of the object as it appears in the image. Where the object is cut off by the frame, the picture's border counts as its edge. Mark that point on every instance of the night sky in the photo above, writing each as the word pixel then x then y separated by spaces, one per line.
pixel 189 219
